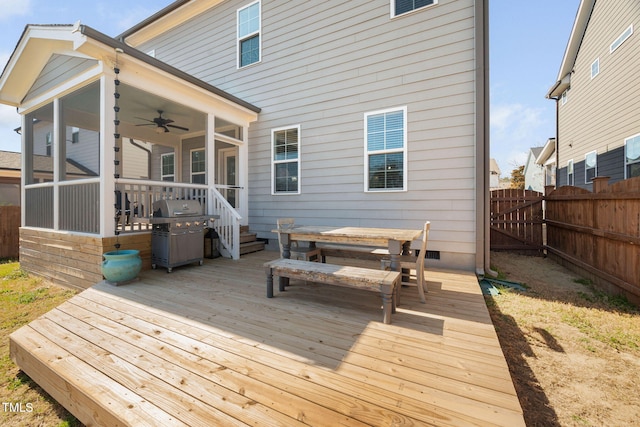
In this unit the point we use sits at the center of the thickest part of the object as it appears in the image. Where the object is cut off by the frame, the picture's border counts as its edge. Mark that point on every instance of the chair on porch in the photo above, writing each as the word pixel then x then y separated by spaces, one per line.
pixel 414 262
pixel 304 253
pixel 118 205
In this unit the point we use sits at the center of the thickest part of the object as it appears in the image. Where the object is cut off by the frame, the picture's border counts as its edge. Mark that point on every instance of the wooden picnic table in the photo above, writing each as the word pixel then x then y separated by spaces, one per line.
pixel 396 240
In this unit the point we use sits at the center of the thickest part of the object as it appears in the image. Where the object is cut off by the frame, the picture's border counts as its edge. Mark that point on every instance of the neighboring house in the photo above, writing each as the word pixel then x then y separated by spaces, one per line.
pixel 547 160
pixel 598 131
pixel 9 178
pixel 533 172
pixel 353 113
pixel 494 175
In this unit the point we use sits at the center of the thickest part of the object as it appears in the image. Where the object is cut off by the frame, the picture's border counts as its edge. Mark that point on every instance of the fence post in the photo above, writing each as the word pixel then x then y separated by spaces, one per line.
pixel 600 184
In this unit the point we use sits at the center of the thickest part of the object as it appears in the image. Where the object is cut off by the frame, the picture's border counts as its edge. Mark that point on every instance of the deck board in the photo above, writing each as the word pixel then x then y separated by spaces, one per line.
pixel 204 346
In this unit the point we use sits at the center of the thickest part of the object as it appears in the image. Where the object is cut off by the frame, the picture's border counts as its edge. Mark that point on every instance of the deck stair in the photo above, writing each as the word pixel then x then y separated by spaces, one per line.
pixel 249 241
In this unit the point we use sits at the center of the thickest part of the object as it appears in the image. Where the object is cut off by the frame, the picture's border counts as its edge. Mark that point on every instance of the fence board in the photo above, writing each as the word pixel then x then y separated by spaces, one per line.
pixel 9 231
pixel 598 232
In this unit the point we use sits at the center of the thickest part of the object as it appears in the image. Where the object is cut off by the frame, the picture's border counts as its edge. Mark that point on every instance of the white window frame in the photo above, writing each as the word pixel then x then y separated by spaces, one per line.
pixel 243 37
pixel 628 32
pixel 627 163
pixel 595 168
pixel 595 68
pixel 565 96
pixel 275 162
pixel 571 177
pixel 162 175
pixel 392 8
pixel 402 150
pixel 191 172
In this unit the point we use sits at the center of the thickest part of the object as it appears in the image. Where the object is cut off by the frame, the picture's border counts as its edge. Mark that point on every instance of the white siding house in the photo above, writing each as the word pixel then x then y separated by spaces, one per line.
pixel 359 113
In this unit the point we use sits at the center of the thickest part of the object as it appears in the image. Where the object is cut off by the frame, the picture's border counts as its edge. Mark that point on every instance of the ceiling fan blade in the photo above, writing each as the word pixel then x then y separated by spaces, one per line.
pixel 146 120
pixel 147 124
pixel 178 127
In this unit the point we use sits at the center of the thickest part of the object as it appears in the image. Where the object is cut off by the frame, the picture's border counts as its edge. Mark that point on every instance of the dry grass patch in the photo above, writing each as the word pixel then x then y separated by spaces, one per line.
pixel 24 298
pixel 572 350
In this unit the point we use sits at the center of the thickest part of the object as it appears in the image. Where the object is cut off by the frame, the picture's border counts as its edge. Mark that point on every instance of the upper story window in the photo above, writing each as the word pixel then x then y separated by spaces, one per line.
pixel 386 150
pixel 565 97
pixel 198 167
pixel 399 7
pixel 168 167
pixel 285 155
pixel 595 68
pixel 590 166
pixel 249 27
pixel 621 39
pixel 632 157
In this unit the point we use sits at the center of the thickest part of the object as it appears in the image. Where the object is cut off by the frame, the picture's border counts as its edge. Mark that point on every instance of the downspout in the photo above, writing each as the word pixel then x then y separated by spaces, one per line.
pixel 483 243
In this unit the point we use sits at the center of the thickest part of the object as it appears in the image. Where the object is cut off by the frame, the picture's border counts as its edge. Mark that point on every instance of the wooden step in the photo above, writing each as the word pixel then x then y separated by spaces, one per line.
pixel 247 237
pixel 250 247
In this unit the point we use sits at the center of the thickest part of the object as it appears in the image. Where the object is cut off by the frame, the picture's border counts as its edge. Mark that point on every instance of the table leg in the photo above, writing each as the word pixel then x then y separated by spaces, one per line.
pixel 269 283
pixel 286 253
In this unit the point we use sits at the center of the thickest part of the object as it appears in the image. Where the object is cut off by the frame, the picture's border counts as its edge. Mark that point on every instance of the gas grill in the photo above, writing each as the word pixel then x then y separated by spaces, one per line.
pixel 177 237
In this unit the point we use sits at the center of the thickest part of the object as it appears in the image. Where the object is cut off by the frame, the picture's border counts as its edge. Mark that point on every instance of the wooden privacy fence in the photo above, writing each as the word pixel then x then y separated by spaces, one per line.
pixel 9 231
pixel 598 232
pixel 516 220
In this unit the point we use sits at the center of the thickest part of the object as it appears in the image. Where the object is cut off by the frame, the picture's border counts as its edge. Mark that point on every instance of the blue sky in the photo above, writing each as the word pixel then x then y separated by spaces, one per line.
pixel 527 44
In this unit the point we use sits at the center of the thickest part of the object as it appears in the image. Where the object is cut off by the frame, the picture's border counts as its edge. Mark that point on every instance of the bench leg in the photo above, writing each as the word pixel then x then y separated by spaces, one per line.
pixel 282 282
pixel 387 304
pixel 269 283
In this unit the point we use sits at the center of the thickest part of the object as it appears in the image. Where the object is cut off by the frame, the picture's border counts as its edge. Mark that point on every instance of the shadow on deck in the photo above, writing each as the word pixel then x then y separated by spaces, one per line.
pixel 204 346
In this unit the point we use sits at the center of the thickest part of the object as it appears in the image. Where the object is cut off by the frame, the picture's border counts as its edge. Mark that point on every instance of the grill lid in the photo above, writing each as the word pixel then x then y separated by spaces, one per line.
pixel 176 208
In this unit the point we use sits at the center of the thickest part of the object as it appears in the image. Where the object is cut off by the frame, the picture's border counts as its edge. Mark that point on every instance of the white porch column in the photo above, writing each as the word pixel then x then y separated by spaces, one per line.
pixel 210 155
pixel 107 156
pixel 243 175
pixel 57 151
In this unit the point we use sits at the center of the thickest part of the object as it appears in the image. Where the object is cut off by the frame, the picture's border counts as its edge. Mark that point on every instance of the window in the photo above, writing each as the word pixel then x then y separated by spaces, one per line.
pixel 75 135
pixel 564 97
pixel 168 167
pixel 621 39
pixel 632 156
pixel 590 166
pixel 198 167
pixel 595 68
pixel 285 154
pixel 570 180
pixel 385 139
pixel 249 34
pixel 48 143
pixel 399 7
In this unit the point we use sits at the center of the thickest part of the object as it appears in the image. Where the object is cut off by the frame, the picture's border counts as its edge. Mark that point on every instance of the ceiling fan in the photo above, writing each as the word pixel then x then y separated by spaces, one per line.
pixel 162 124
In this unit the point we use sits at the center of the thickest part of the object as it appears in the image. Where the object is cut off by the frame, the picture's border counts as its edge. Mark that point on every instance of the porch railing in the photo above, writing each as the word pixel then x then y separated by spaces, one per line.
pixel 135 204
pixel 134 200
pixel 228 225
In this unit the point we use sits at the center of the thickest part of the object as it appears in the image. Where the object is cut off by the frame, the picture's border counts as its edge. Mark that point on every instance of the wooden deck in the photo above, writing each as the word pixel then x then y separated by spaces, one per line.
pixel 203 346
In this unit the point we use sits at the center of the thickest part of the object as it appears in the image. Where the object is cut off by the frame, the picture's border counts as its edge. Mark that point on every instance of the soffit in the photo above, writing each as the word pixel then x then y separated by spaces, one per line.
pixel 168 18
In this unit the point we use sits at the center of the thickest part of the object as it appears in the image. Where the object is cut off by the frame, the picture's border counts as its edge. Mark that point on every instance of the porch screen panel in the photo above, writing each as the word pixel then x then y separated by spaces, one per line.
pixel 39 207
pixel 80 208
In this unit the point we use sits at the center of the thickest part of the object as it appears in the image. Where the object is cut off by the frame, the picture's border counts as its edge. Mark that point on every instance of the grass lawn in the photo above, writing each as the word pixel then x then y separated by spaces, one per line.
pixel 24 298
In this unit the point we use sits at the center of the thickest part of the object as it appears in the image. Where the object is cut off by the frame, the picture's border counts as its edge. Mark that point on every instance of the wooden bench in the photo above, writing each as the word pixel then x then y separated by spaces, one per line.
pixel 351 251
pixel 385 282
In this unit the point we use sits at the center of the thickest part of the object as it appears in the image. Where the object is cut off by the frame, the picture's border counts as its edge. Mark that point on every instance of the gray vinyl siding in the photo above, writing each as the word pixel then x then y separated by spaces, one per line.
pixel 324 65
pixel 603 111
pixel 57 71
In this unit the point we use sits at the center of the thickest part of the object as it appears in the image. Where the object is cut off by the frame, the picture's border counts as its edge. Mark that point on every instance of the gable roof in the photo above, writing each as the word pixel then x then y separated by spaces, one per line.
pixel 30 56
pixel 571 51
